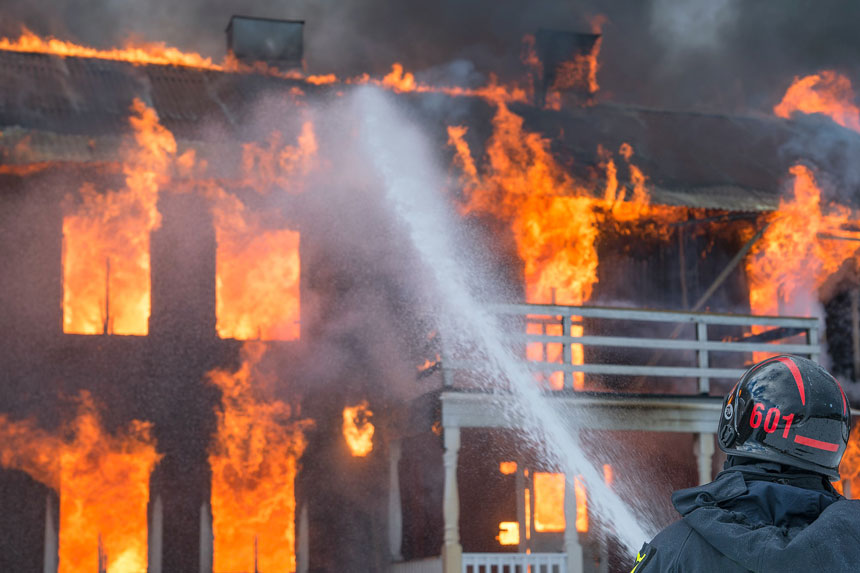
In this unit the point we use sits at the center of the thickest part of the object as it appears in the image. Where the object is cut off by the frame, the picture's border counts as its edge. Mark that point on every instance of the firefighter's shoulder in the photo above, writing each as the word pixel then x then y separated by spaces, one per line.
pixel 643 556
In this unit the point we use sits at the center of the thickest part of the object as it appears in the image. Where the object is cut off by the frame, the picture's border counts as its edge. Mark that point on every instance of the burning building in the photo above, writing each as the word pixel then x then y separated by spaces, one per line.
pixel 209 349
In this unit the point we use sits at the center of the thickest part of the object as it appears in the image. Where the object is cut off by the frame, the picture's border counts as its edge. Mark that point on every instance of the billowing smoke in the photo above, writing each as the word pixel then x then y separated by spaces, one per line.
pixel 726 55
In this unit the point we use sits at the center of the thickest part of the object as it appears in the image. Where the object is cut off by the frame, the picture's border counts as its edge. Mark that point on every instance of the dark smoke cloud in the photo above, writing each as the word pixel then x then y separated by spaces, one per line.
pixel 713 54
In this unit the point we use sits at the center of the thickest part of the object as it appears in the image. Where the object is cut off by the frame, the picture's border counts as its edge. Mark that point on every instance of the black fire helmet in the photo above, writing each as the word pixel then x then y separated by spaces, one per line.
pixel 788 410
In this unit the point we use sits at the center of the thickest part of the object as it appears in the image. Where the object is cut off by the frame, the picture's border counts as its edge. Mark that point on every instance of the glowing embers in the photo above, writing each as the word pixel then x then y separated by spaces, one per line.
pixel 103 484
pixel 106 264
pixel 254 460
pixel 358 429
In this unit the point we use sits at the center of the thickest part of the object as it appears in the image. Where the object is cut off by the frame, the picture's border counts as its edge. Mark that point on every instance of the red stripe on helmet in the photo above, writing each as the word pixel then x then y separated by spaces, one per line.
pixel 844 401
pixel 816 443
pixel 797 377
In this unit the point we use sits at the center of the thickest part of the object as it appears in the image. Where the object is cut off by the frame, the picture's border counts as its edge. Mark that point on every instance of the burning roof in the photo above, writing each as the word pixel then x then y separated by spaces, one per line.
pixel 73 108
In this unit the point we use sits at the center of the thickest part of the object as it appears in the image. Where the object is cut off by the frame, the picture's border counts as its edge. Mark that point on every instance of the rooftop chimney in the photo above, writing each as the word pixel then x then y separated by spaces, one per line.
pixel 278 43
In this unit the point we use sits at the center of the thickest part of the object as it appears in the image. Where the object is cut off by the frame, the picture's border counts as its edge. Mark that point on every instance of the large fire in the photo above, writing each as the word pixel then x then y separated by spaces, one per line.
pixel 258 264
pixel 102 481
pixel 551 216
pixel 794 256
pixel 106 258
pixel 106 286
pixel 554 218
pixel 254 459
pixel 800 249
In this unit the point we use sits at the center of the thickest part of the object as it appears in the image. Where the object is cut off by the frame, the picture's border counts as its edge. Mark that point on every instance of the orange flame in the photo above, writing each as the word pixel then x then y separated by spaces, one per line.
pixel 579 72
pixel 608 475
pixel 257 275
pixel 275 165
pixel 509 533
pixel 581 504
pixel 796 254
pixel 849 469
pixel 358 429
pixel 792 259
pixel 258 267
pixel 254 460
pixel 150 53
pixel 508 468
pixel 102 480
pixel 551 216
pixel 826 92
pixel 106 287
pixel 399 81
pixel 160 54
pixel 554 218
pixel 549 502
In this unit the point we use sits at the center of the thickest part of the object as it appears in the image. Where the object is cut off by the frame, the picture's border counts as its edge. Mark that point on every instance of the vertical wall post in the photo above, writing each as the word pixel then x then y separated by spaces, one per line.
pixel 812 340
pixel 702 337
pixel 206 538
pixel 52 538
pixel 395 509
pixel 704 450
pixel 303 542
pixel 521 506
pixel 567 348
pixel 855 330
pixel 572 547
pixel 452 551
pixel 155 536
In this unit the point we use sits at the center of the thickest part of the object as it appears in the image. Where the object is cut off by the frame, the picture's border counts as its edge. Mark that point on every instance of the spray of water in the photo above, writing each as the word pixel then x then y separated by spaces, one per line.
pixel 406 167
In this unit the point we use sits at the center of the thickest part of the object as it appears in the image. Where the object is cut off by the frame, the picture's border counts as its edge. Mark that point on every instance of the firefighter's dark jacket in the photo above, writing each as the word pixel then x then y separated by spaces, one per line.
pixel 752 518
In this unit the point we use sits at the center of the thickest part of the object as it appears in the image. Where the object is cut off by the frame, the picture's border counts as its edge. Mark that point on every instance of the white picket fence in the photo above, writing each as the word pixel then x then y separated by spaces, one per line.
pixel 514 562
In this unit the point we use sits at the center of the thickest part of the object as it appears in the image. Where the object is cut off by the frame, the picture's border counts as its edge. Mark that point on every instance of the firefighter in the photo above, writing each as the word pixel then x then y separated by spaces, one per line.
pixel 784 427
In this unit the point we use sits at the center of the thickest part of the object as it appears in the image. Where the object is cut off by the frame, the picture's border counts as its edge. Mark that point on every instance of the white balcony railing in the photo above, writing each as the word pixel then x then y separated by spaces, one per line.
pixel 689 345
pixel 514 562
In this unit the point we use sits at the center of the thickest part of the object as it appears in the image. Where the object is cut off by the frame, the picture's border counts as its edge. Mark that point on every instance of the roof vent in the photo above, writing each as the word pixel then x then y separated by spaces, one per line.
pixel 278 43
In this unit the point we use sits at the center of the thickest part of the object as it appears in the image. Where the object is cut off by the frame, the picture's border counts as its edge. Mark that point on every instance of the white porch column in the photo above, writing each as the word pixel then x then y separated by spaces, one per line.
pixel 155 536
pixel 207 539
pixel 395 509
pixel 704 449
pixel 571 535
pixel 452 551
pixel 52 539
